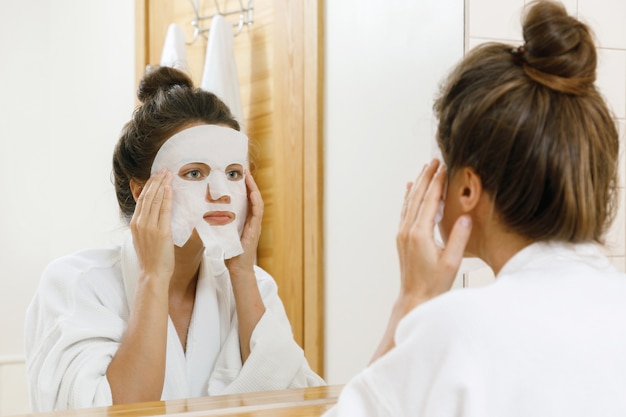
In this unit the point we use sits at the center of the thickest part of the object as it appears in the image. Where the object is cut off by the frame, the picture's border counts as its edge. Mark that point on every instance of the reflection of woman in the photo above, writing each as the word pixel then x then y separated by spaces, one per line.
pixel 531 154
pixel 150 320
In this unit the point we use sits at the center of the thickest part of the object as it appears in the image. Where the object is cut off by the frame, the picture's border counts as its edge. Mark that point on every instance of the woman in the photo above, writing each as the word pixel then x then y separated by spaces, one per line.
pixel 530 155
pixel 179 309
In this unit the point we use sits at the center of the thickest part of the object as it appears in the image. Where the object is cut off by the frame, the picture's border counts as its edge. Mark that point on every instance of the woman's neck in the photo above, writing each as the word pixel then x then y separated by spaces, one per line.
pixel 188 260
pixel 499 245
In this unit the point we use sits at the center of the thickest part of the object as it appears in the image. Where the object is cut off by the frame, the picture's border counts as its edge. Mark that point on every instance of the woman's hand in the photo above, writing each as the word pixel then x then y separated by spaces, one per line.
pixel 152 229
pixel 143 347
pixel 251 230
pixel 427 269
pixel 248 301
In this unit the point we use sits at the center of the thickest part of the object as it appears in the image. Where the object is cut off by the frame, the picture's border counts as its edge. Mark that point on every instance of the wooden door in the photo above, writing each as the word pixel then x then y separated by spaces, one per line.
pixel 279 62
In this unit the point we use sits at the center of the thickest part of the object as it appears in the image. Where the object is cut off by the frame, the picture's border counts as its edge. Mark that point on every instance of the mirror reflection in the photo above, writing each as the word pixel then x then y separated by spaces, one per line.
pixel 74 91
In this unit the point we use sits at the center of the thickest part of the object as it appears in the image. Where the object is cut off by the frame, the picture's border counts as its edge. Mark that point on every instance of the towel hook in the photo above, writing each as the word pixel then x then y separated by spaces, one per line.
pixel 246 18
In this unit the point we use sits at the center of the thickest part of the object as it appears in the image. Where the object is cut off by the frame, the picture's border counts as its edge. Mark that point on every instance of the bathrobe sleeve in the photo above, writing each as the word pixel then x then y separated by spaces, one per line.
pixel 430 372
pixel 276 361
pixel 73 328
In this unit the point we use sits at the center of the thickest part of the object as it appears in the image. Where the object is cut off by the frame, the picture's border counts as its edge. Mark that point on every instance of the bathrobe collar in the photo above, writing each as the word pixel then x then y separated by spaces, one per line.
pixel 206 331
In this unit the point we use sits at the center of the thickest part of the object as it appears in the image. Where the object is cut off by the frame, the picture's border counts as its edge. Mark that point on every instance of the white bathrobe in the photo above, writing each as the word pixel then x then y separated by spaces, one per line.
pixel 78 316
pixel 547 338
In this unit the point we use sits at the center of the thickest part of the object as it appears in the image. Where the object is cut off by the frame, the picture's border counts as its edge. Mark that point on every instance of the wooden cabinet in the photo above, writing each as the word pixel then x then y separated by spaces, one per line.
pixel 280 68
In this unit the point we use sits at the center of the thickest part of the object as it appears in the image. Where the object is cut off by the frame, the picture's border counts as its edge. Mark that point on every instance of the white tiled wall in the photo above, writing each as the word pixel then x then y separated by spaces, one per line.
pixel 500 20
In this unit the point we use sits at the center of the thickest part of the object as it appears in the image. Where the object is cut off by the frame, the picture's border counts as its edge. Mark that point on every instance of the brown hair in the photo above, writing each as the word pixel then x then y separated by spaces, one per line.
pixel 533 126
pixel 170 103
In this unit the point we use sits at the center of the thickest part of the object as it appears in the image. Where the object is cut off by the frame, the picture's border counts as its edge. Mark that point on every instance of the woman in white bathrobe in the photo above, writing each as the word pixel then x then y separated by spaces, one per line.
pixel 530 152
pixel 179 309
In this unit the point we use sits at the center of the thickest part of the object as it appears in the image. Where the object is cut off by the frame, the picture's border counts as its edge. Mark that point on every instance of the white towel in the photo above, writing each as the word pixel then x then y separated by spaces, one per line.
pixel 174 52
pixel 220 72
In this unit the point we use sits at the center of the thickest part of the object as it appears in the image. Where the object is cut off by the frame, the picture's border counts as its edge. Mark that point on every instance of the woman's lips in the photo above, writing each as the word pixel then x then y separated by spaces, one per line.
pixel 219 218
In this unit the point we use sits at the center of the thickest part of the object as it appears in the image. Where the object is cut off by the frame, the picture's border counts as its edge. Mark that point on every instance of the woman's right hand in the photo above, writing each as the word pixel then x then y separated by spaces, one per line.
pixel 143 347
pixel 152 229
pixel 427 269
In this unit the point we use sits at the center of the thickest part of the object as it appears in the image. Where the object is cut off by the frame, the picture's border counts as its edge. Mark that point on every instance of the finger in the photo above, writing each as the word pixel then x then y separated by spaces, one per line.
pixel 418 191
pixel 140 200
pixel 409 185
pixel 252 229
pixel 165 214
pixel 150 199
pixel 139 213
pixel 454 250
pixel 254 194
pixel 157 201
pixel 432 198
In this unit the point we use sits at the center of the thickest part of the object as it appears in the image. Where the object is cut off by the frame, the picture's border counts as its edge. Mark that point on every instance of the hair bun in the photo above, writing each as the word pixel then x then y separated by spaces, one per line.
pixel 161 79
pixel 559 49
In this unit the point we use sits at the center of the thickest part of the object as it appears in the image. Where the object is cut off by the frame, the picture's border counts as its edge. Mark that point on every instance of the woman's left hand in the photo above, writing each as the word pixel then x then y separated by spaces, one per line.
pixel 426 269
pixel 251 231
pixel 248 301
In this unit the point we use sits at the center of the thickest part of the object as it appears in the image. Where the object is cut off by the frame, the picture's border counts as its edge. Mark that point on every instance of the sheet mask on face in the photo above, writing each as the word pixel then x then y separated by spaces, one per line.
pixel 208 188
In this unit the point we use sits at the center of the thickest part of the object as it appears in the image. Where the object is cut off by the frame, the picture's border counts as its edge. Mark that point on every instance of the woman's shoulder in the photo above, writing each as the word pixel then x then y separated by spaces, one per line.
pixel 82 267
pixel 86 259
pixel 457 312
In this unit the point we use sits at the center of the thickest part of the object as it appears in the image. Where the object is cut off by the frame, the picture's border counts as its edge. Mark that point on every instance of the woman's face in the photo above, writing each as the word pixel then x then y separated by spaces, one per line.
pixel 209 191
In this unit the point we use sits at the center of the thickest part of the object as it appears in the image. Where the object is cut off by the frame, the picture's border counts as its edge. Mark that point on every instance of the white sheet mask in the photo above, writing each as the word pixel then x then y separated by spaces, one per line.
pixel 208 189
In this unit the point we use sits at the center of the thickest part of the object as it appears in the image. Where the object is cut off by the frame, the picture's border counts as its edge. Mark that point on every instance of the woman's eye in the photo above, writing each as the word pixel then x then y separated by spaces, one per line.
pixel 194 171
pixel 194 174
pixel 234 175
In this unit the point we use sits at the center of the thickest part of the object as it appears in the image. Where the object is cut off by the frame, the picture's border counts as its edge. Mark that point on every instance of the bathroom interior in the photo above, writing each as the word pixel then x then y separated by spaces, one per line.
pixel 338 96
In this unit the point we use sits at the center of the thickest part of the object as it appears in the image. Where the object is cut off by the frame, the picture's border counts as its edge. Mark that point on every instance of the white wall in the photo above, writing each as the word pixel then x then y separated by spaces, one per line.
pixel 375 142
pixel 67 88
pixel 384 61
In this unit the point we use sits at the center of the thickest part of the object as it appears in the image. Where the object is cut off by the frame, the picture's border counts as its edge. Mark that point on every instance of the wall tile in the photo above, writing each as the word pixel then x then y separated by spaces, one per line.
pixel 495 19
pixel 608 20
pixel 480 278
pixel 468 266
pixel 616 237
pixel 458 281
pixel 473 42
pixel 570 5
pixel 611 79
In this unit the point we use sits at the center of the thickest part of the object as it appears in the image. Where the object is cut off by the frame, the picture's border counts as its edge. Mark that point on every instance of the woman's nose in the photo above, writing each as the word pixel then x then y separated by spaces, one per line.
pixel 216 196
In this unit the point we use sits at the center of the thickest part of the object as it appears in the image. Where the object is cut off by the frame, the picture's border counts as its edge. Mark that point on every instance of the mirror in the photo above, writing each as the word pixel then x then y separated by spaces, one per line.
pixel 71 88
pixel 379 132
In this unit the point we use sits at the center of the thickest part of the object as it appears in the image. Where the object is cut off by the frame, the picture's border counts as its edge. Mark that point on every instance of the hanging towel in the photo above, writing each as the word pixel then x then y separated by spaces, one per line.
pixel 220 72
pixel 174 52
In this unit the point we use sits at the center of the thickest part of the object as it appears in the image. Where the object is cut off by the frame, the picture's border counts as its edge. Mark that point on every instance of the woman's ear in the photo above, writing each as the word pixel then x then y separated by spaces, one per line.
pixel 471 188
pixel 136 189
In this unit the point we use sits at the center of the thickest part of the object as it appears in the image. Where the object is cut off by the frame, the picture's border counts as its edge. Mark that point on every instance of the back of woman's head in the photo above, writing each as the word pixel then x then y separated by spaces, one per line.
pixel 531 123
pixel 170 103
